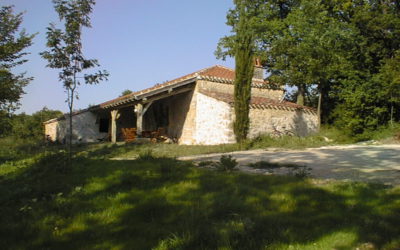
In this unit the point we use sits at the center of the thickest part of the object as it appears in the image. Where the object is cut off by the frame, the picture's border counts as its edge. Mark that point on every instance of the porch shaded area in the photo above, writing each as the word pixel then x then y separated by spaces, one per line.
pixel 159 118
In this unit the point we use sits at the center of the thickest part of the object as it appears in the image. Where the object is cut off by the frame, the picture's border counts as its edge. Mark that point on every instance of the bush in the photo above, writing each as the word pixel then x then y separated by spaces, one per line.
pixel 226 163
pixel 300 172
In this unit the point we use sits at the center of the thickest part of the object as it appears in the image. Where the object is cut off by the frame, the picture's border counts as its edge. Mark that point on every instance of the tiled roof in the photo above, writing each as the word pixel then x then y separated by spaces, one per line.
pixel 219 71
pixel 258 102
pixel 216 73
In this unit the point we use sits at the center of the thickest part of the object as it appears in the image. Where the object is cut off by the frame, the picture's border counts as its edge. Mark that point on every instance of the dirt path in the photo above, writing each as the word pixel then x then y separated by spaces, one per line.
pixel 377 163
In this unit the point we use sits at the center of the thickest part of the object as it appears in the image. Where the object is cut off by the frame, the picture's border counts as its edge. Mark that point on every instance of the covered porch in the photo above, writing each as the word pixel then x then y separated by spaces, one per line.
pixel 158 116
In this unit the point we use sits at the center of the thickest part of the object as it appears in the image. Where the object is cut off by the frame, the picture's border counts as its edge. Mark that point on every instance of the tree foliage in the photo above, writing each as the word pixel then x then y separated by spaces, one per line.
pixel 244 58
pixel 366 98
pixel 31 126
pixel 13 42
pixel 126 92
pixel 346 50
pixel 65 49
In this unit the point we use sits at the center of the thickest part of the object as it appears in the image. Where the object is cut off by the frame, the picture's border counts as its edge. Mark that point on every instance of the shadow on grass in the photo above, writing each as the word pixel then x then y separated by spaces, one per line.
pixel 162 203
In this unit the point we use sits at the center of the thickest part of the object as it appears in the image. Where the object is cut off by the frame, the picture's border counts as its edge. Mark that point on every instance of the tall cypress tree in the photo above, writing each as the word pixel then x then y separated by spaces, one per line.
pixel 244 55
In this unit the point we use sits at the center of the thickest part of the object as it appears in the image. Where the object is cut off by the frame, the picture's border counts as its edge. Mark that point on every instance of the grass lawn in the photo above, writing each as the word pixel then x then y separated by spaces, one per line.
pixel 161 203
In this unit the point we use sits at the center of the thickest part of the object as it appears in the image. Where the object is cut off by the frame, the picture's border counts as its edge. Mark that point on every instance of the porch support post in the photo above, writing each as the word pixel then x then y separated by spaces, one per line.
pixel 114 114
pixel 139 119
pixel 140 110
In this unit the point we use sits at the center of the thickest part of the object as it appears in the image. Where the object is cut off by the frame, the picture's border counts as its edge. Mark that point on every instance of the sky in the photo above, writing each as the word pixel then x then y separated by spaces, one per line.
pixel 139 42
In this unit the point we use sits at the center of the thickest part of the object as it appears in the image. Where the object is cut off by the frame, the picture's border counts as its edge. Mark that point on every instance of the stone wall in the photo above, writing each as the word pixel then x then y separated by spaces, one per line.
pixel 300 122
pixel 85 129
pixel 182 114
pixel 227 88
pixel 214 121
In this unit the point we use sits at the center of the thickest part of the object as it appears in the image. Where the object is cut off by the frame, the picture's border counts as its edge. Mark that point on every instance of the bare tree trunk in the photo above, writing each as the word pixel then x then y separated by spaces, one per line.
pixel 319 106
pixel 301 90
pixel 71 95
pixel 391 115
pixel 391 109
pixel 70 106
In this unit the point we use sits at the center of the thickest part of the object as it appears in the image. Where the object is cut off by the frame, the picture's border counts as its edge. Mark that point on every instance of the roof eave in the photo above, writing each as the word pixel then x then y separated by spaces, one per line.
pixel 139 97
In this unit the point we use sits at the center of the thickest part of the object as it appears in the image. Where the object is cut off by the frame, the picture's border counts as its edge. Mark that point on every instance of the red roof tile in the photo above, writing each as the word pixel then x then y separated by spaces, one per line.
pixel 217 71
pixel 255 101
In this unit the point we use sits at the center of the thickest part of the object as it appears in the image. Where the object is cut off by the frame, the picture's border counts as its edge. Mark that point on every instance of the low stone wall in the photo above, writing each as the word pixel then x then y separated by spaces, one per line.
pixel 265 121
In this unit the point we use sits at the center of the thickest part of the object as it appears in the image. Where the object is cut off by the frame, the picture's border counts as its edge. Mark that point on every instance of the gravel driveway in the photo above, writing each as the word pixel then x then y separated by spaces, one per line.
pixel 372 163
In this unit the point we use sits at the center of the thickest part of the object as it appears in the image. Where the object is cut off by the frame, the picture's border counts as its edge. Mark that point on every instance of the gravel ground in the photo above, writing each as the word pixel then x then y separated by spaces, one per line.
pixel 364 163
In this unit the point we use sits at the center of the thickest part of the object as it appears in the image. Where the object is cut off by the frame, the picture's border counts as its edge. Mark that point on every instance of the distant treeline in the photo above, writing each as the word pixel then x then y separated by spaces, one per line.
pixel 26 126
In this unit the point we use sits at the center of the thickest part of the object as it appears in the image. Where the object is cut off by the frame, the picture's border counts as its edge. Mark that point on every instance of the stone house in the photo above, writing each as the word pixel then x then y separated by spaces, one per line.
pixel 193 109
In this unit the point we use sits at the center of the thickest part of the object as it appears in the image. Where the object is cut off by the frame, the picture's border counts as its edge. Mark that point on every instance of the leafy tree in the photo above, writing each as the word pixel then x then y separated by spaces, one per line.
pixel 346 50
pixel 311 96
pixel 12 46
pixel 126 92
pixel 367 99
pixel 390 74
pixel 66 50
pixel 311 50
pixel 31 126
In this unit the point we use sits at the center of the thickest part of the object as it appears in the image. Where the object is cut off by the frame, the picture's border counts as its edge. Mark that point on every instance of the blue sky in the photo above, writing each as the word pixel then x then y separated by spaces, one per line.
pixel 140 42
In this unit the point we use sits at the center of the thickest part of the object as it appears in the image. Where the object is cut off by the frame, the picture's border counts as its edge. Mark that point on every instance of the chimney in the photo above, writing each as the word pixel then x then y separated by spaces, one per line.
pixel 258 69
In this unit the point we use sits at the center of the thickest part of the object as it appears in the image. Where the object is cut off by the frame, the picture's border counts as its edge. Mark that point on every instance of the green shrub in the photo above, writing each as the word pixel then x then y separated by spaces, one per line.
pixel 226 163
pixel 300 172
pixel 205 163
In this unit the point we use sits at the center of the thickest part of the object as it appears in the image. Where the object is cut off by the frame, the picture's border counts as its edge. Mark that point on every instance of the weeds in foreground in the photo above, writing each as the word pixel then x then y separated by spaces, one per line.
pixel 300 172
pixel 226 163
pixel 146 154
pixel 205 163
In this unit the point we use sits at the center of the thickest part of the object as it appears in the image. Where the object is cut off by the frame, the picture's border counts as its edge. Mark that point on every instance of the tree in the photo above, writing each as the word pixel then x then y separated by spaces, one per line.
pixel 368 99
pixel 126 92
pixel 66 51
pixel 251 21
pixel 311 49
pixel 390 74
pixel 244 69
pixel 344 49
pixel 12 46
pixel 31 126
